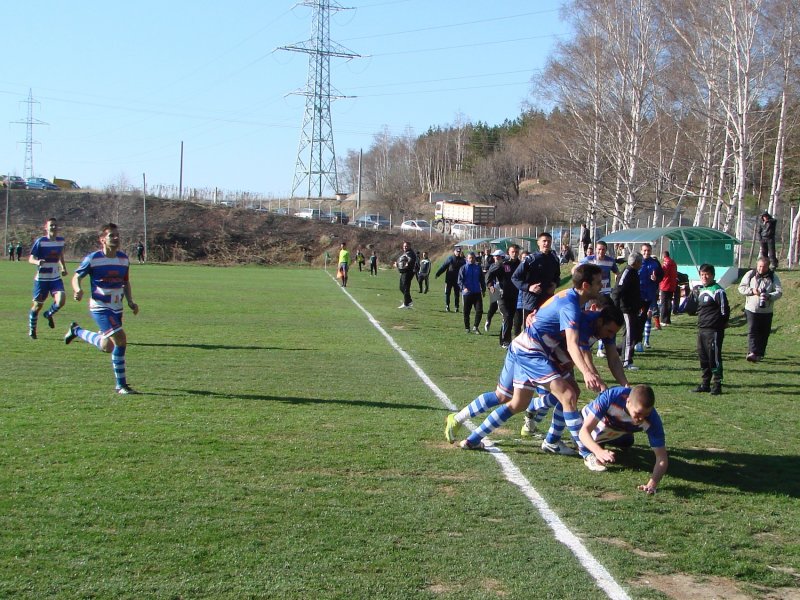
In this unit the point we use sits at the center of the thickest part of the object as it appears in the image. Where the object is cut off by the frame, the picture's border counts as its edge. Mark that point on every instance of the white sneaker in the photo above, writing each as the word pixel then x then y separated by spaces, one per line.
pixel 403 306
pixel 558 448
pixel 601 353
pixel 592 464
pixel 486 326
pixel 631 368
pixel 528 428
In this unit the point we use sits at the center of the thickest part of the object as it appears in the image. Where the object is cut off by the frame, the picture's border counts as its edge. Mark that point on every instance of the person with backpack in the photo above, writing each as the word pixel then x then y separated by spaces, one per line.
pixel 407 266
pixel 761 288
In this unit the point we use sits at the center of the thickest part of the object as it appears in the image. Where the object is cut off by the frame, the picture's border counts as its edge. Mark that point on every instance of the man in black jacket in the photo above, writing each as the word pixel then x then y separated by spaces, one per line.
pixel 500 276
pixel 451 267
pixel 766 233
pixel 538 276
pixel 407 266
pixel 627 296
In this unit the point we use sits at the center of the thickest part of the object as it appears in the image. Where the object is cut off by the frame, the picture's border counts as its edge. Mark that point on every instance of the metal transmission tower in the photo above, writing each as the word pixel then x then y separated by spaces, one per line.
pixel 29 141
pixel 316 157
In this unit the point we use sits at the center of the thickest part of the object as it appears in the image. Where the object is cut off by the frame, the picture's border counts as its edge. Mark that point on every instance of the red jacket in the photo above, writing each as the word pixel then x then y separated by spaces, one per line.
pixel 669 283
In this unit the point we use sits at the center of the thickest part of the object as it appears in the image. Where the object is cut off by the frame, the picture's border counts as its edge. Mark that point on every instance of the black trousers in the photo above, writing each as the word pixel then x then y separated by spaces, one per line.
pixel 709 349
pixel 470 301
pixel 634 328
pixel 422 279
pixel 666 306
pixel 519 322
pixel 768 250
pixel 373 267
pixel 449 287
pixel 759 326
pixel 508 310
pixel 405 286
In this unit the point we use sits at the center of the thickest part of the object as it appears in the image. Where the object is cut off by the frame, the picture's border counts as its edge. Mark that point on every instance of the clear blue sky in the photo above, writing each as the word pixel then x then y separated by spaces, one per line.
pixel 121 84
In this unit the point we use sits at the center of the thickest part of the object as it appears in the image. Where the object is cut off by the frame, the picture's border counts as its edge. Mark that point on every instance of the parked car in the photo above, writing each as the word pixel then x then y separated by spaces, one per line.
pixel 371 222
pixel 309 213
pixel 462 231
pixel 40 183
pixel 338 216
pixel 14 182
pixel 419 225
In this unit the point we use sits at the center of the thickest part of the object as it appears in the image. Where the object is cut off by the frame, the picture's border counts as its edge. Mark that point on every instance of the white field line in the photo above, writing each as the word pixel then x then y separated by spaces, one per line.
pixel 512 473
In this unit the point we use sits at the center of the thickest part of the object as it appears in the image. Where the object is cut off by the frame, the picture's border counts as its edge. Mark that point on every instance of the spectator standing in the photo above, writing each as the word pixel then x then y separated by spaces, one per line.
pixel 650 275
pixel 509 294
pixel 766 234
pixel 627 296
pixel 566 255
pixel 667 287
pixel 473 286
pixel 761 288
pixel 140 252
pixel 360 260
pixel 373 263
pixel 407 265
pixel 451 268
pixel 538 276
pixel 586 239
pixel 710 304
pixel 10 249
pixel 19 250
pixel 424 273
pixel 491 276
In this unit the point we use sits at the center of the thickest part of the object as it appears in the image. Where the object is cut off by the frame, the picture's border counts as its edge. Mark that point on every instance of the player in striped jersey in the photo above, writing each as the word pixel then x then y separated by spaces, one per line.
pixel 535 356
pixel 47 253
pixel 107 270
pixel 613 417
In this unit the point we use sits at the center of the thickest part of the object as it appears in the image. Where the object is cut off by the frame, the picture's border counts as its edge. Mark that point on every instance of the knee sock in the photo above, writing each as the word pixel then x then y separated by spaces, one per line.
pixel 118 362
pixel 574 421
pixel 648 325
pixel 556 426
pixel 492 422
pixel 33 318
pixel 54 308
pixel 480 405
pixel 90 337
pixel 540 405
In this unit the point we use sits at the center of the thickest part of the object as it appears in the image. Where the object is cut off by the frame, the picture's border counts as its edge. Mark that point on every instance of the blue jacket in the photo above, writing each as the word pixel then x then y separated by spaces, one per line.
pixel 649 287
pixel 471 277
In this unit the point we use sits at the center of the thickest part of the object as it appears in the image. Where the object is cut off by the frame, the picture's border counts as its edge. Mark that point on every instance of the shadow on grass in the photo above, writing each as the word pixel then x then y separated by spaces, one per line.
pixel 303 401
pixel 221 347
pixel 755 473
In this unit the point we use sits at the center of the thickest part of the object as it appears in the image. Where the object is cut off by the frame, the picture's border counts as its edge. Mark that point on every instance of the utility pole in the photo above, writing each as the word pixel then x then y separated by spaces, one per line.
pixel 316 157
pixel 29 141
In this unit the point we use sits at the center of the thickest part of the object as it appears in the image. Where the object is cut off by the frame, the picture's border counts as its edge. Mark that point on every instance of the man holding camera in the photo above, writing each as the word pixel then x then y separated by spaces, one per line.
pixel 761 288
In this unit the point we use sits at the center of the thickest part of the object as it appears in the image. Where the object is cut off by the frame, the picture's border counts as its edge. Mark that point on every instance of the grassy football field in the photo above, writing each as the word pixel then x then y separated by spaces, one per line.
pixel 282 448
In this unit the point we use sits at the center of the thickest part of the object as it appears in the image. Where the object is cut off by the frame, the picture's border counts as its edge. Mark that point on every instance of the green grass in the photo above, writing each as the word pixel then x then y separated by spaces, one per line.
pixel 282 449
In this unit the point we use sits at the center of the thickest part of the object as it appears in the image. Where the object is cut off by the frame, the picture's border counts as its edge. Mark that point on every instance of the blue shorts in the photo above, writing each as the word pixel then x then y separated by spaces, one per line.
pixel 108 321
pixel 41 289
pixel 533 370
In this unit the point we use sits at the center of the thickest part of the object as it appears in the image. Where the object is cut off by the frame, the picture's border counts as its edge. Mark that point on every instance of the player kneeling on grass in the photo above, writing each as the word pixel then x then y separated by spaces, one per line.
pixel 614 416
pixel 107 270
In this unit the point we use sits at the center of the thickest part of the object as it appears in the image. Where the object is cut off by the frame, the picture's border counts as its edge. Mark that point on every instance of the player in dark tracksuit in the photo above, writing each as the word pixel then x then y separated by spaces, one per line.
pixel 451 267
pixel 710 304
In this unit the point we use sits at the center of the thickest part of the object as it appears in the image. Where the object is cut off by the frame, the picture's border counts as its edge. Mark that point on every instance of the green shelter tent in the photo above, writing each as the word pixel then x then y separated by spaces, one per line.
pixel 689 247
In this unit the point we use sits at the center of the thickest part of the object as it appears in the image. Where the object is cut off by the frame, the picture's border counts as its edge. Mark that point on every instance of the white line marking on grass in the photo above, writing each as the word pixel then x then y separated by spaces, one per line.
pixel 512 473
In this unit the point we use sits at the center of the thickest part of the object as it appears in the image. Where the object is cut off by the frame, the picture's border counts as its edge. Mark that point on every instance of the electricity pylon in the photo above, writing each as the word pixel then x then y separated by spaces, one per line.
pixel 27 171
pixel 316 157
